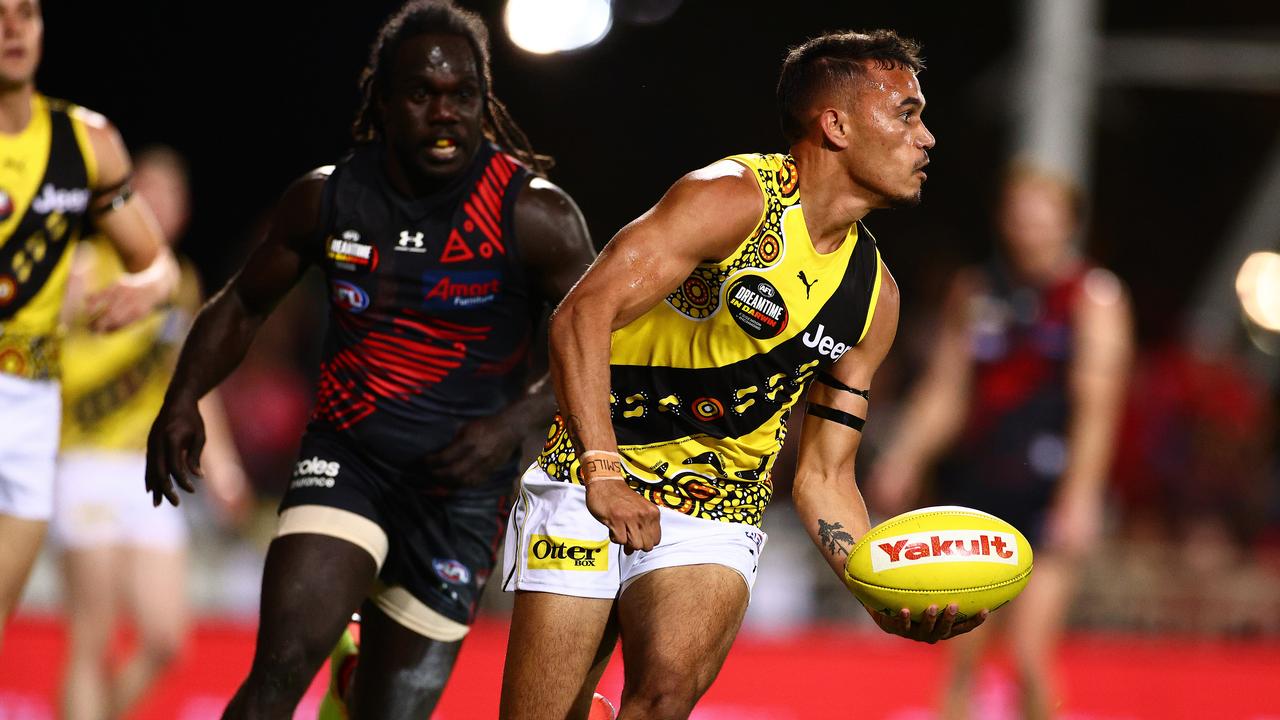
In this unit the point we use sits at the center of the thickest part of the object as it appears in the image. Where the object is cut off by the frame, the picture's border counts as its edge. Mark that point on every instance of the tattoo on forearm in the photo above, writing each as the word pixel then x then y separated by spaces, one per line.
pixel 833 537
pixel 575 433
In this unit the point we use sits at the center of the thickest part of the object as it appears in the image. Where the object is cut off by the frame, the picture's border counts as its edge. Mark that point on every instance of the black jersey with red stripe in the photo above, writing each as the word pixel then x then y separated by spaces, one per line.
pixel 1013 449
pixel 430 312
pixel 1021 339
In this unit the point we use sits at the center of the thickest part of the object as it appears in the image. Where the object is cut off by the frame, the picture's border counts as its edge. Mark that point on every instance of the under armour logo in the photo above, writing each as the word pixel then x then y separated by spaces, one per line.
pixel 411 242
pixel 806 282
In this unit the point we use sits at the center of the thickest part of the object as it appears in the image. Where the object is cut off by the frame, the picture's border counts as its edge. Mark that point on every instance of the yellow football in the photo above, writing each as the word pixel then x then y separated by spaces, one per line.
pixel 936 556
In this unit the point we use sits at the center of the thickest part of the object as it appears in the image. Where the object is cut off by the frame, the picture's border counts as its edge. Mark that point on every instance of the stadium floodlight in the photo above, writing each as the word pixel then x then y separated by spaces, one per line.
pixel 554 26
pixel 1258 287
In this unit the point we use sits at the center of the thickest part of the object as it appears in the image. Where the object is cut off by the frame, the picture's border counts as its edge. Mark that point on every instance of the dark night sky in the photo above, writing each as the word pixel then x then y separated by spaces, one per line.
pixel 255 94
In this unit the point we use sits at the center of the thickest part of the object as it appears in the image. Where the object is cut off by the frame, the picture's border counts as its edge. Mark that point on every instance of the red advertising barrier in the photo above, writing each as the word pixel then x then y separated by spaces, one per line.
pixel 820 673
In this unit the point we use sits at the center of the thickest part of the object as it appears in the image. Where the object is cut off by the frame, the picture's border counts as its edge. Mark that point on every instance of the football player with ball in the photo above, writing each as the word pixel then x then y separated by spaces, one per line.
pixel 678 360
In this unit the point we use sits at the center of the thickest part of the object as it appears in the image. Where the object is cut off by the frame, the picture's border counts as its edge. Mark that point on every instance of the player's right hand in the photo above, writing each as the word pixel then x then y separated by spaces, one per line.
pixel 632 520
pixel 934 626
pixel 173 450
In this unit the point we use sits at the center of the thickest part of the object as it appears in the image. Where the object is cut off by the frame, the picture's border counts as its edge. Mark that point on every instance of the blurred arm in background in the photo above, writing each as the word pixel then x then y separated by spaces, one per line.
pixel 1098 377
pixel 152 271
pixel 223 472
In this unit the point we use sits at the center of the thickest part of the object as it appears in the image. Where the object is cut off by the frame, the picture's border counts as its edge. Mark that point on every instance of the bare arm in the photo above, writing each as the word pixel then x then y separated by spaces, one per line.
pixel 151 270
pixel 557 251
pixel 556 248
pixel 220 460
pixel 223 472
pixel 226 325
pixel 223 331
pixel 826 491
pixel 703 216
pixel 1097 377
pixel 935 410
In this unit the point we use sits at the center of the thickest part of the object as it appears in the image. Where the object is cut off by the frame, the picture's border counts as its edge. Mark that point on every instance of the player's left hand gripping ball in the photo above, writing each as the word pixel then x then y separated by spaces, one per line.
pixel 938 556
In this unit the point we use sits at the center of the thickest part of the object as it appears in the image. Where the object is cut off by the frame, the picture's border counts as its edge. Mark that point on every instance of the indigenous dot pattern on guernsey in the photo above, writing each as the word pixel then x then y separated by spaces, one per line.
pixel 699 295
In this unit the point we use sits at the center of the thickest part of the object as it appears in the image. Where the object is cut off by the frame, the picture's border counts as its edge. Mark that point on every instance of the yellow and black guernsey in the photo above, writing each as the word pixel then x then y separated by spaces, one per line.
pixel 114 383
pixel 703 383
pixel 46 172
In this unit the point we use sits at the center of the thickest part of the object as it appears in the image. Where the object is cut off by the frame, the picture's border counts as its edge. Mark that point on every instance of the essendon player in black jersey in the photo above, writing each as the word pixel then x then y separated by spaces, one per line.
pixel 441 246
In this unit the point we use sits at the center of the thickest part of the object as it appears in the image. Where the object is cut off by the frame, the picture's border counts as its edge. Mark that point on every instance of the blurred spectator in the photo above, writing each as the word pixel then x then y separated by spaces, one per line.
pixel 116 550
pixel 1198 445
pixel 1195 484
pixel 1020 400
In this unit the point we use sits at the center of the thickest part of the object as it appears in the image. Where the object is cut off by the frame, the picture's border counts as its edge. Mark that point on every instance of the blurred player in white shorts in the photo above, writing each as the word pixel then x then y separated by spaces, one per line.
pixel 97 503
pixel 62 166
pixel 117 551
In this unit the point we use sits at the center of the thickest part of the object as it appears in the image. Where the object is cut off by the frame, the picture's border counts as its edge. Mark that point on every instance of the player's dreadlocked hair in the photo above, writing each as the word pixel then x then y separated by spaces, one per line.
pixel 423 16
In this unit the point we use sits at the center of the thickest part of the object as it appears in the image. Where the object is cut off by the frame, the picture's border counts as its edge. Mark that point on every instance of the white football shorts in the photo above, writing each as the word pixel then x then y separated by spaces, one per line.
pixel 555 545
pixel 30 411
pixel 100 499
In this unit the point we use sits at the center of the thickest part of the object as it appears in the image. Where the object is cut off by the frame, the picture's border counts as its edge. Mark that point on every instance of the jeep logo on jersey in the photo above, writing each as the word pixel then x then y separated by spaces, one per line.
pixel 548 552
pixel 411 242
pixel 824 343
pixel 459 290
pixel 757 307
pixel 947 546
pixel 348 253
pixel 349 296
pixel 51 199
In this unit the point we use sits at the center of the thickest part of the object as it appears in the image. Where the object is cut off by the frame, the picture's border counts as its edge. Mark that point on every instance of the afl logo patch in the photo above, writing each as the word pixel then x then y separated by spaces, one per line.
pixel 348 253
pixel 349 296
pixel 452 571
pixel 757 307
pixel 6 206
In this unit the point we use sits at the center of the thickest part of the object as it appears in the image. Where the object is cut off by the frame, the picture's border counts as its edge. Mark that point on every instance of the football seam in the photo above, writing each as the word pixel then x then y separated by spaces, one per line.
pixel 976 588
pixel 936 513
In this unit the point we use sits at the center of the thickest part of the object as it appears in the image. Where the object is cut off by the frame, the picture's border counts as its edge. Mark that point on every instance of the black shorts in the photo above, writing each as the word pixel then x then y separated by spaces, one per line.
pixel 440 543
pixel 1022 500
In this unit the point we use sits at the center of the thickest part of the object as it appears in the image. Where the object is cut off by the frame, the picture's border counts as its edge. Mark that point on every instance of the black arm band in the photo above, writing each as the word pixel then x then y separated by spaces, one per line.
pixel 834 415
pixel 827 379
pixel 119 194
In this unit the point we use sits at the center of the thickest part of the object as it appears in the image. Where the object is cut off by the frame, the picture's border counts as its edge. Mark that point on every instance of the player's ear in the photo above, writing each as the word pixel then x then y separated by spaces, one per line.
pixel 835 127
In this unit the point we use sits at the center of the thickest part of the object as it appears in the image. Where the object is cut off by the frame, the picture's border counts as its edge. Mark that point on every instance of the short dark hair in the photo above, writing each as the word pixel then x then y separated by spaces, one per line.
pixel 824 62
pixel 418 17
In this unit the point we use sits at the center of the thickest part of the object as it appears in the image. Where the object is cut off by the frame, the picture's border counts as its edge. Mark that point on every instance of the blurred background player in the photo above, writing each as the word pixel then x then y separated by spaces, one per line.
pixel 442 247
pixel 117 552
pixel 1019 406
pixel 59 165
